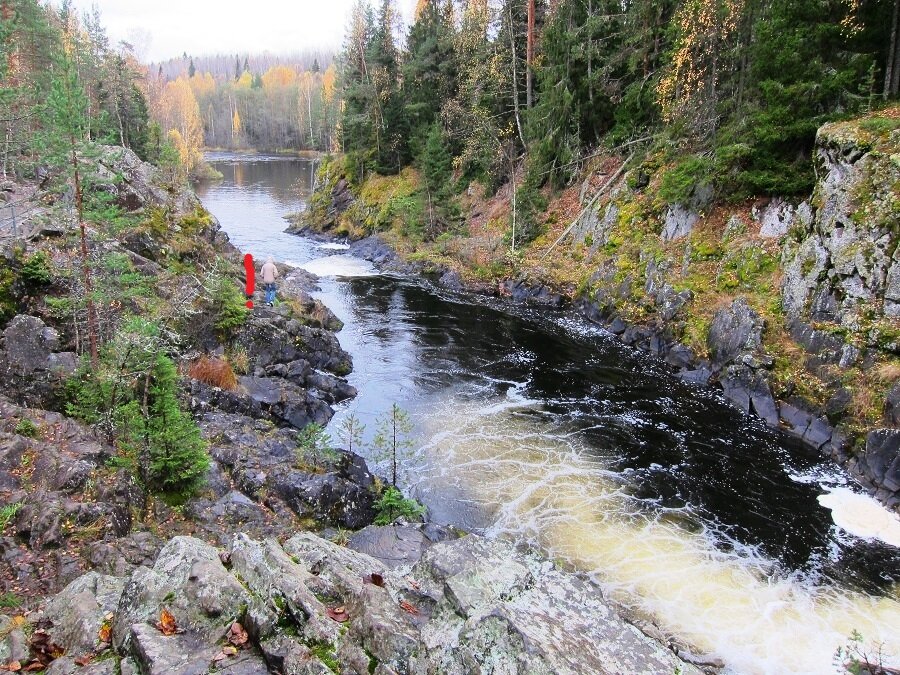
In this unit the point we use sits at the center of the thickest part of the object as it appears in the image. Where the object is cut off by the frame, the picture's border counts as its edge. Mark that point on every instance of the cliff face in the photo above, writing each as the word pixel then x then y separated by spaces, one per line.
pixel 843 266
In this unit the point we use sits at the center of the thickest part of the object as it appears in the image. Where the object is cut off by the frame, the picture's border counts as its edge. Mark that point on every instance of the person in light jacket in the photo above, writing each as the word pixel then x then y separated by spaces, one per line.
pixel 269 274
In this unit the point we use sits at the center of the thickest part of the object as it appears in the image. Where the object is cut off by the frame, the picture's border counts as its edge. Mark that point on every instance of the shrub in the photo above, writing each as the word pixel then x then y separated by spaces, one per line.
pixel 36 270
pixel 214 372
pixel 678 184
pixel 177 460
pixel 228 306
pixel 26 427
pixel 393 505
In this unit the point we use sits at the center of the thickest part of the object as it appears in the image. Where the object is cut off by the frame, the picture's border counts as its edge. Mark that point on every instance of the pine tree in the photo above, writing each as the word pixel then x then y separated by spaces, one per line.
pixel 65 145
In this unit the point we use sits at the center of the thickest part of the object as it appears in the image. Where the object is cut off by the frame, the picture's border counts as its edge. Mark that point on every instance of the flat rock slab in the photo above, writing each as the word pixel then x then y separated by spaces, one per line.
pixel 394 545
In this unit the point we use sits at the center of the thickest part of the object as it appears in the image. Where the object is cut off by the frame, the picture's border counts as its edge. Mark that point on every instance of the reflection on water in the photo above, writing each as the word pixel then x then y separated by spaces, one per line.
pixel 542 428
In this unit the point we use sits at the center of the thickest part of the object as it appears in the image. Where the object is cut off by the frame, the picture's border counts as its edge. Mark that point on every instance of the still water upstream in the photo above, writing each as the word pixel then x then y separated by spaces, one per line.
pixel 538 426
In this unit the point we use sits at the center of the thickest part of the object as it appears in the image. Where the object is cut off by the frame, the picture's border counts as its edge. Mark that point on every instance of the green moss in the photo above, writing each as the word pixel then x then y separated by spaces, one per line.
pixel 325 652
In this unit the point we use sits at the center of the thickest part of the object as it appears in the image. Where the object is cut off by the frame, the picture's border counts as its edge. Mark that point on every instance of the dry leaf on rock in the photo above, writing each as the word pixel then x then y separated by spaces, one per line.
pixel 166 624
pixel 338 614
pixel 404 605
pixel 237 635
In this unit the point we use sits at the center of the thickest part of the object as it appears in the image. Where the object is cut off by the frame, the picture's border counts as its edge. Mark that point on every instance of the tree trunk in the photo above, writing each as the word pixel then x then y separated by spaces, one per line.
pixel 85 263
pixel 529 55
pixel 892 62
pixel 515 86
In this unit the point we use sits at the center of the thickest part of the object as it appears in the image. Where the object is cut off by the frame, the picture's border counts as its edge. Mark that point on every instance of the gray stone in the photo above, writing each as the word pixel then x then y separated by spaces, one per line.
pixel 189 580
pixel 80 610
pixel 394 545
pixel 892 405
pixel 32 369
pixel 735 329
pixel 776 219
pixel 679 222
pixel 881 458
pixel 159 654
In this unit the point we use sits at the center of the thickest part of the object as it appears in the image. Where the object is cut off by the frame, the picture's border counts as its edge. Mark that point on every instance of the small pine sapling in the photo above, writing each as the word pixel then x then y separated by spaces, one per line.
pixel 350 431
pixel 314 447
pixel 392 443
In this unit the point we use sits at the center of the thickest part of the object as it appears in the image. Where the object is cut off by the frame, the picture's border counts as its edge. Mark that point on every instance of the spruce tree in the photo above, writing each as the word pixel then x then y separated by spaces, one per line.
pixel 177 459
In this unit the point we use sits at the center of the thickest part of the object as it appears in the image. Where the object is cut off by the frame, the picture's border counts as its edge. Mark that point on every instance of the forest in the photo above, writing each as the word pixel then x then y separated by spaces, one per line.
pixel 733 91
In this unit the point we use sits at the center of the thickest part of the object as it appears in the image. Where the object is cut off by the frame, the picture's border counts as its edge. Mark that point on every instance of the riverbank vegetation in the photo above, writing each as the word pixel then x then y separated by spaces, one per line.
pixel 633 159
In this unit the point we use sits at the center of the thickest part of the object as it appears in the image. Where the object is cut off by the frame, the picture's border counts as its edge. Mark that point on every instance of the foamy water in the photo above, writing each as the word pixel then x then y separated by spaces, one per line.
pixel 863 516
pixel 536 483
pixel 340 266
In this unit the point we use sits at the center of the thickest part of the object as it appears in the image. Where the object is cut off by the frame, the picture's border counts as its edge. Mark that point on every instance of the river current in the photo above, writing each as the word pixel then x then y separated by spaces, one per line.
pixel 538 426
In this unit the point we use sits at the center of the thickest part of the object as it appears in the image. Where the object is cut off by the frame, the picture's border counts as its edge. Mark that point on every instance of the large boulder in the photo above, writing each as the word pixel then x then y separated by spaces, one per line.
pixel 309 606
pixel 33 365
pixel 188 580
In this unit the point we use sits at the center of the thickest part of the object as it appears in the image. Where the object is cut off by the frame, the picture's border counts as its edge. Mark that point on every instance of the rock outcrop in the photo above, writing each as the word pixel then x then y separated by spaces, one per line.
pixel 468 605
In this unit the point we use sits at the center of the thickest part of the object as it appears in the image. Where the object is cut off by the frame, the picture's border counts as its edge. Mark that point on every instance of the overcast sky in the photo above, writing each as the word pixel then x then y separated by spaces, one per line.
pixel 163 29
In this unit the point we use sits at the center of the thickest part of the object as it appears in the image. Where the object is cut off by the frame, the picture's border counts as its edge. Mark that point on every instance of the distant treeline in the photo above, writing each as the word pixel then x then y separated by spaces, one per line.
pixel 255 101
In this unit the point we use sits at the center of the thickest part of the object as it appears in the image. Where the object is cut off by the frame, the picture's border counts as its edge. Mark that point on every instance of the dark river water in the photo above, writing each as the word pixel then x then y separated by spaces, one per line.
pixel 541 427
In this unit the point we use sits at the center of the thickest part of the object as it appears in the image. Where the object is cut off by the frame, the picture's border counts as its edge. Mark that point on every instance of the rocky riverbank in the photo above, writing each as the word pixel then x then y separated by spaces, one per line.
pixel 145 586
pixel 69 502
pixel 788 307
pixel 451 605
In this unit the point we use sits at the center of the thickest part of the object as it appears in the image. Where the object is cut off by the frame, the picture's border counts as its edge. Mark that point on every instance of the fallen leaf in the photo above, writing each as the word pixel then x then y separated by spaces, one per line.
pixel 166 624
pixel 237 635
pixel 338 614
pixel 229 650
pixel 13 666
pixel 221 656
pixel 105 634
pixel 404 605
pixel 375 579
pixel 34 667
pixel 84 660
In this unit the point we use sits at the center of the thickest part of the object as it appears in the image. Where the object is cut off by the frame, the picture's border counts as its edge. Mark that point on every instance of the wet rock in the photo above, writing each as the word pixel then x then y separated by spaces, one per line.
pixel 451 281
pixel 327 497
pixel 880 461
pixel 681 357
pixel 701 375
pixel 735 330
pixel 522 291
pixel 374 250
pixel 750 392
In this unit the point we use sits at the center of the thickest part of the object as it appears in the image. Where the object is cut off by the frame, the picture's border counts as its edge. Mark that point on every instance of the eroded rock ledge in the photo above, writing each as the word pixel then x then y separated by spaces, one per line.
pixel 310 606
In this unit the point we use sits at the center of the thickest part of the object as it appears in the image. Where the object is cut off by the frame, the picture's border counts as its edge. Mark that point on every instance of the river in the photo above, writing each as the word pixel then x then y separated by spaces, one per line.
pixel 538 426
